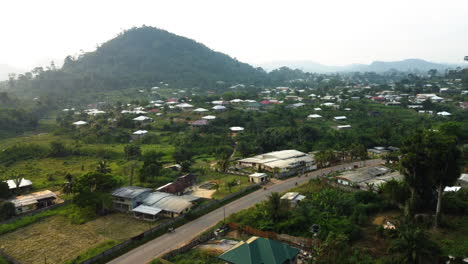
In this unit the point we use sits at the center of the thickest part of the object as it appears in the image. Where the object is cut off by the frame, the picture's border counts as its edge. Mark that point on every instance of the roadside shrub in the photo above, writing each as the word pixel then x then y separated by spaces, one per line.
pixel 4 190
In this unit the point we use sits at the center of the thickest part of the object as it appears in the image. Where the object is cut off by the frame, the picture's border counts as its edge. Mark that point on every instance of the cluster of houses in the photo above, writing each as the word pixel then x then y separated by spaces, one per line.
pixel 29 202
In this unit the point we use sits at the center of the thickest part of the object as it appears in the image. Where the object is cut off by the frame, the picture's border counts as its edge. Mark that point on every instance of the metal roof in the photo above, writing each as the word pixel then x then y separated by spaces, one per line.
pixel 32 198
pixel 144 209
pixel 130 192
pixel 167 202
pixel 259 250
pixel 23 183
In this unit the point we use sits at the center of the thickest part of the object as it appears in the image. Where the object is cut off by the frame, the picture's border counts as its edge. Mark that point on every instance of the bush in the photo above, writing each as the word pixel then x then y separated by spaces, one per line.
pixel 455 202
pixel 7 211
pixel 22 152
pixel 4 190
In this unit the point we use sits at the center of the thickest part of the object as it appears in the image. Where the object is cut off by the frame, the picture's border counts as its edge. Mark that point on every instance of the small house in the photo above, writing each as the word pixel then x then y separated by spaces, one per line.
pixel 258 177
pixel 292 198
pixel 33 201
pixel 23 184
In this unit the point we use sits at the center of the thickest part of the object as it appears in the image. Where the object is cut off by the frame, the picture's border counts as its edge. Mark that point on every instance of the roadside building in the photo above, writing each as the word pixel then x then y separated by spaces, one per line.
pixel 281 163
pixel 292 198
pixel 368 178
pixel 33 201
pixel 258 250
pixel 258 177
pixel 179 186
pixel 127 198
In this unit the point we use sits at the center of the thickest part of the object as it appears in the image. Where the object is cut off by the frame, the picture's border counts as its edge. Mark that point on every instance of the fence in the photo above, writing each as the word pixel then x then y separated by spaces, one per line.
pixel 299 242
pixel 34 212
pixel 164 226
pixel 9 258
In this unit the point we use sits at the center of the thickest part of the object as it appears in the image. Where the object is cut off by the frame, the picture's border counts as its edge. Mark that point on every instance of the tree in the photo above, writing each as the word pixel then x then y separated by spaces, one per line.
pixel 444 160
pixel 224 158
pixel 4 190
pixel 103 167
pixel 275 206
pixel 414 168
pixel 132 152
pixel 57 149
pixel 231 184
pixel 7 210
pixel 68 185
pixel 152 165
pixel 413 246
pixel 92 190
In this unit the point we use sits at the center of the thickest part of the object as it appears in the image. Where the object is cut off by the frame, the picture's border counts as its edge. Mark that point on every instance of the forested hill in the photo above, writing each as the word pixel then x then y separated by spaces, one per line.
pixel 146 55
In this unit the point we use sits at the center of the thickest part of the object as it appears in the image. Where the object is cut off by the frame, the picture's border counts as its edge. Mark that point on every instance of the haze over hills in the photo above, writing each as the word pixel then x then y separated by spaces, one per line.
pixel 409 65
pixel 7 69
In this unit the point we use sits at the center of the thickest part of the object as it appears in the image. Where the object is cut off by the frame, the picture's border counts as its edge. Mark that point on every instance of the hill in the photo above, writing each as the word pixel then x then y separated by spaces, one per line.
pixel 147 55
pixel 409 65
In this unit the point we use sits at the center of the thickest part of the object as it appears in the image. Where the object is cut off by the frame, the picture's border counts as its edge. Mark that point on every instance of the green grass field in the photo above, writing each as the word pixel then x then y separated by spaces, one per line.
pixel 57 240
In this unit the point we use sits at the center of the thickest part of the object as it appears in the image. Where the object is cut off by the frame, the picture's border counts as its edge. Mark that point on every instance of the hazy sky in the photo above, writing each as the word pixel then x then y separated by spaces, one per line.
pixel 332 32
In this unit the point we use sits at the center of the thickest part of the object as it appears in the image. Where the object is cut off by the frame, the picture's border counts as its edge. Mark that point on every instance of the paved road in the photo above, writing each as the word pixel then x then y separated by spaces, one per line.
pixel 184 234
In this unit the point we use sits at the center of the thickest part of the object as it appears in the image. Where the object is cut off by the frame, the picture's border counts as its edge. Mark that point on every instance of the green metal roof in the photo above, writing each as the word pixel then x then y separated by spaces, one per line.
pixel 259 250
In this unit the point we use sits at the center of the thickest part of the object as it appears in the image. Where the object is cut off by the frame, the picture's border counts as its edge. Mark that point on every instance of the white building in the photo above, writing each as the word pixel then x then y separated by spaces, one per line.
pixel 281 163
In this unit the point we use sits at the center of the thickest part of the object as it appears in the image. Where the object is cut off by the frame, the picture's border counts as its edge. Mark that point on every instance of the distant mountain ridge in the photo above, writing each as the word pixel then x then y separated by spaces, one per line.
pixel 409 65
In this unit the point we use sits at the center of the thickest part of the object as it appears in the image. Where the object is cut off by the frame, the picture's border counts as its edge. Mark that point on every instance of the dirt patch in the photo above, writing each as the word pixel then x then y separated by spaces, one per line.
pixel 218 246
pixel 57 240
pixel 382 218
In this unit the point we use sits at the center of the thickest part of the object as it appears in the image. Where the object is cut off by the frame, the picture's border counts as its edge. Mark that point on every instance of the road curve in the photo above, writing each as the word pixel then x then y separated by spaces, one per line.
pixel 185 233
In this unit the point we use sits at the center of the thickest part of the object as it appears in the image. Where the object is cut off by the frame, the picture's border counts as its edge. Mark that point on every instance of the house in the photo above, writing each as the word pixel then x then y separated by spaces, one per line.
pixel 198 123
pixel 444 113
pixel 292 198
pixel 200 110
pixel 142 119
pixel 80 123
pixel 219 108
pixel 33 201
pixel 178 186
pixel 258 250
pixel 463 180
pixel 127 198
pixel 377 152
pixel 184 106
pixel 209 117
pixel 139 134
pixel 24 184
pixel 258 177
pixel 163 204
pixel 236 129
pixel 282 163
pixel 368 178
pixel 339 118
pixel 343 127
pixel 313 116
pixel 254 106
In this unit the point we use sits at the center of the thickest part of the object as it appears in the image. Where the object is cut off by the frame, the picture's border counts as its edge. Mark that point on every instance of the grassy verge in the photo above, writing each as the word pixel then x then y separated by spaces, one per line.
pixel 27 220
pixel 193 256
pixel 3 260
pixel 98 249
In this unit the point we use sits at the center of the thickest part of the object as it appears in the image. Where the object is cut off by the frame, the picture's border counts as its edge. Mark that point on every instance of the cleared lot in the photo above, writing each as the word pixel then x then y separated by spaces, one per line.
pixel 56 240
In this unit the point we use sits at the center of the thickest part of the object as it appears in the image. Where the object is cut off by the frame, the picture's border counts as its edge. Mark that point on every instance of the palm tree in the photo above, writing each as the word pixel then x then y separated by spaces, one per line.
pixel 413 246
pixel 68 186
pixel 275 206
